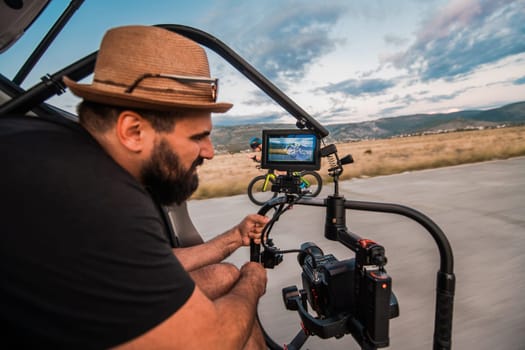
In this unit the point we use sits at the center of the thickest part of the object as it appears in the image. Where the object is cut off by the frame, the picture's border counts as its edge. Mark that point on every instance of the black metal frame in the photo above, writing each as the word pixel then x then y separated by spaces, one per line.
pixel 46 41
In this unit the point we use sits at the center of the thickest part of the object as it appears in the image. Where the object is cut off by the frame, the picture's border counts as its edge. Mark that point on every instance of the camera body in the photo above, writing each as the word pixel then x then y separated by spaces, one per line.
pixel 359 298
pixel 328 283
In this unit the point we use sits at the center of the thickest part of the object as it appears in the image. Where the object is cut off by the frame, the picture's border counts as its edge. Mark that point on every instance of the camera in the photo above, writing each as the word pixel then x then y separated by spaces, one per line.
pixel 326 281
pixel 347 297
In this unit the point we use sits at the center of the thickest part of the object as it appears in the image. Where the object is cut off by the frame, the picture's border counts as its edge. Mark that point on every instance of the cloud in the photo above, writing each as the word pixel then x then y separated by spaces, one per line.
pixel 356 87
pixel 463 36
pixel 390 111
pixel 283 41
pixel 405 100
pixel 445 97
pixel 229 120
pixel 257 98
pixel 519 81
pixel 337 115
pixel 395 40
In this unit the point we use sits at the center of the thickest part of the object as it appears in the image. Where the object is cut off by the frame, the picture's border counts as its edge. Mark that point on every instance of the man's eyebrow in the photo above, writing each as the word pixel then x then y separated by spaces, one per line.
pixel 201 134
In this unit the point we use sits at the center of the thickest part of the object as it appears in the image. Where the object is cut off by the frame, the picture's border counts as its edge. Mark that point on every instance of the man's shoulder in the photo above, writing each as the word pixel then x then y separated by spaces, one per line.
pixel 54 146
pixel 22 128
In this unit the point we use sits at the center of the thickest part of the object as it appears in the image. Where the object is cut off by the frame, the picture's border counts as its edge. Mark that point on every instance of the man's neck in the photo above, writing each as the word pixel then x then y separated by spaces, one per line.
pixel 123 157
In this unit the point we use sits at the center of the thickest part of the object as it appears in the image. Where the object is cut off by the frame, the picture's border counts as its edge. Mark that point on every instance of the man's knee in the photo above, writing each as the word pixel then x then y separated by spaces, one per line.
pixel 220 277
pixel 228 272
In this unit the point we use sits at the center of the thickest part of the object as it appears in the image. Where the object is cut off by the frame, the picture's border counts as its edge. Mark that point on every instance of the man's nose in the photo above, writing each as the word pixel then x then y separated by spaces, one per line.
pixel 207 150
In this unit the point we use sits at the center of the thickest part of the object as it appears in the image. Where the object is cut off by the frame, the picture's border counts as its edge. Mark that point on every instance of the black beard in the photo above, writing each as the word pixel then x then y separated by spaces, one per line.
pixel 165 178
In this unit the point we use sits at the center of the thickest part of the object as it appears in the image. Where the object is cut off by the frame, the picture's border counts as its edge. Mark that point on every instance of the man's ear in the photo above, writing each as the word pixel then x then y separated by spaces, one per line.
pixel 132 131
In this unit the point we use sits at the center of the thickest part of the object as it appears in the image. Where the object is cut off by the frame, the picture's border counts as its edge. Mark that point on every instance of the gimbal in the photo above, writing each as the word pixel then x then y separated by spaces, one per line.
pixel 371 303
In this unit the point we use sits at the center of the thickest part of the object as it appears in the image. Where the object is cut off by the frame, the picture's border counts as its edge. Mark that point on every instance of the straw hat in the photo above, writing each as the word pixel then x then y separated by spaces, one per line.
pixel 151 68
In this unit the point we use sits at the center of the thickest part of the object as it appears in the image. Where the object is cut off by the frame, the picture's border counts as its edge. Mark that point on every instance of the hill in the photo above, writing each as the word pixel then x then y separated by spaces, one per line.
pixel 234 139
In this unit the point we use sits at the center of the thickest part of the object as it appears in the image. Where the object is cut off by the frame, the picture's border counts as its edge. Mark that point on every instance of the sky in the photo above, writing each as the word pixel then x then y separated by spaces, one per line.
pixel 341 61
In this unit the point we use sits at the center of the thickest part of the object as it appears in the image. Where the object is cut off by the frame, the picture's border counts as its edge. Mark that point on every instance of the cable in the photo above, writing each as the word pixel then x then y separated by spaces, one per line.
pixel 268 227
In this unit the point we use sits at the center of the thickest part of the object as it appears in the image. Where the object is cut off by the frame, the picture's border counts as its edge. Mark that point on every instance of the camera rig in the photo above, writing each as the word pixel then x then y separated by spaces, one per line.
pixel 361 281
pixel 352 296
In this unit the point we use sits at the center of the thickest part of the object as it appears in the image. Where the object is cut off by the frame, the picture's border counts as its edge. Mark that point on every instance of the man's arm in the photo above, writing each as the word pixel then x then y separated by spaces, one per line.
pixel 222 246
pixel 224 323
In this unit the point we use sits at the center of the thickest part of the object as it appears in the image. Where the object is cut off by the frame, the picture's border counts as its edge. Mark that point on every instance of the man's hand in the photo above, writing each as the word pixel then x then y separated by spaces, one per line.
pixel 251 228
pixel 222 246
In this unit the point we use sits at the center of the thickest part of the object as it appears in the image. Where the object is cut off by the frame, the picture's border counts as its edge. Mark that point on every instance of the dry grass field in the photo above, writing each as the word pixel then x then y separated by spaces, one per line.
pixel 227 175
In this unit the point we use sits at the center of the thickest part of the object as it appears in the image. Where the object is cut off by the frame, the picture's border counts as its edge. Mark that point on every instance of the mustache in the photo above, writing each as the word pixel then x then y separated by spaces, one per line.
pixel 197 162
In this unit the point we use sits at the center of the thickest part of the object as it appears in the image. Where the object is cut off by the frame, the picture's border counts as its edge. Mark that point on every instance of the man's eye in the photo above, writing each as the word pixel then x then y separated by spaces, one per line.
pixel 199 137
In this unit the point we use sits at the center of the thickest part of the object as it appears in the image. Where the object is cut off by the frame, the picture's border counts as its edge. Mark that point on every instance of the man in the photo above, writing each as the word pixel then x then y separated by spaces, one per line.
pixel 256 146
pixel 85 254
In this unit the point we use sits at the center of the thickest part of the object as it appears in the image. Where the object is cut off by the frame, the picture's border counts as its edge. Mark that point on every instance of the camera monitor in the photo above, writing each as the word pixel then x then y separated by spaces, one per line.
pixel 290 150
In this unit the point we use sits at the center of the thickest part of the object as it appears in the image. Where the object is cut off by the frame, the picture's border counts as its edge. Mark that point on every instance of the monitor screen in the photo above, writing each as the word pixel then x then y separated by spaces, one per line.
pixel 290 150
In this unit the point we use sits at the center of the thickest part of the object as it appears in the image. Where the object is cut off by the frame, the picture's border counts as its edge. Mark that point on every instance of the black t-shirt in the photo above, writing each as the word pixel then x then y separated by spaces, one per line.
pixel 85 260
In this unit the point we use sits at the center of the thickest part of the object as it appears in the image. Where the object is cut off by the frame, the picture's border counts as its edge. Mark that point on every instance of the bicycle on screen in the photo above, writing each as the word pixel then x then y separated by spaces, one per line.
pixel 260 187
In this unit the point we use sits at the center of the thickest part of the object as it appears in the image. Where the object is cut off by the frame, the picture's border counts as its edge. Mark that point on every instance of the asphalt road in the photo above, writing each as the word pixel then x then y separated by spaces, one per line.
pixel 481 209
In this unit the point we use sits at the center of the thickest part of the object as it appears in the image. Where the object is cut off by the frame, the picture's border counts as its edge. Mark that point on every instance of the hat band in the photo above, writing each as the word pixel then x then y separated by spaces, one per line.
pixel 129 88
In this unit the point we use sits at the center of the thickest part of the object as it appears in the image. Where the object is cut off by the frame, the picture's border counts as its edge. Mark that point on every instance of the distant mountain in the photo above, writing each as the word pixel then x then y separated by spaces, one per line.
pixel 235 138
